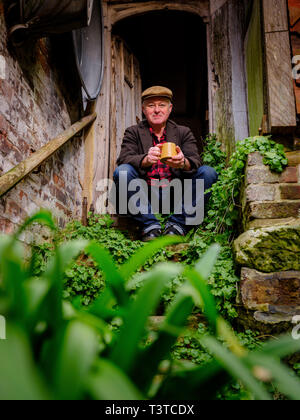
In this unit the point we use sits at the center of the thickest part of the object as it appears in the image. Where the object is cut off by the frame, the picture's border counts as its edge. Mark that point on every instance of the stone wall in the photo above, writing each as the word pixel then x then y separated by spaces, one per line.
pixel 39 99
pixel 271 198
pixel 269 249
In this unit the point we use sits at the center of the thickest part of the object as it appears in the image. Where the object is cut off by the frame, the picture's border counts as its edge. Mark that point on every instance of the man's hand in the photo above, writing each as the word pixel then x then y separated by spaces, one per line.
pixel 153 156
pixel 179 161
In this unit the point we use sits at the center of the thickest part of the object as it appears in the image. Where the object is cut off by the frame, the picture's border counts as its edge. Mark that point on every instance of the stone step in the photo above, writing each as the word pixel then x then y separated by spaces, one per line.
pixel 277 292
pixel 269 301
pixel 273 209
pixel 290 191
pixel 263 175
pixel 293 158
pixel 256 159
pixel 270 249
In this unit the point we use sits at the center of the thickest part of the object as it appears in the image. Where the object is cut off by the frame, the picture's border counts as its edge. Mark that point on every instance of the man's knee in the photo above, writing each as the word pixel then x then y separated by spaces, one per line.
pixel 129 169
pixel 207 173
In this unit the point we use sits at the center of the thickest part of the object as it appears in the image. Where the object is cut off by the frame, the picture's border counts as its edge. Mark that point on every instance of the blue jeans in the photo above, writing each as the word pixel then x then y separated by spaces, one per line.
pixel 149 221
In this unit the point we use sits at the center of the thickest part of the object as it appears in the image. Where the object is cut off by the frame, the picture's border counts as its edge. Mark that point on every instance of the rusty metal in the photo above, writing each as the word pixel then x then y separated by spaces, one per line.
pixel 41 18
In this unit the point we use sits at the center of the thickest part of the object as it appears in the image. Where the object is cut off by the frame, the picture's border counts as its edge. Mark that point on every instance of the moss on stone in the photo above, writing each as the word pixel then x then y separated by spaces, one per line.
pixel 270 249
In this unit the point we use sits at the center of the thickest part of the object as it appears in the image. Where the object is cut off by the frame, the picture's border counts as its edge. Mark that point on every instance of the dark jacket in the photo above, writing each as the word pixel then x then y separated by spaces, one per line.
pixel 138 140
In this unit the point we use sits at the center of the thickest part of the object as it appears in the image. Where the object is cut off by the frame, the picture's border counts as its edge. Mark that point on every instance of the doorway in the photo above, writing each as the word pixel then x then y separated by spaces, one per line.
pixel 171 50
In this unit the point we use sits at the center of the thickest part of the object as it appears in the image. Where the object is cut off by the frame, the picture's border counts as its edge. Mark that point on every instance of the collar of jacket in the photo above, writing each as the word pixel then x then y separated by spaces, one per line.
pixel 146 137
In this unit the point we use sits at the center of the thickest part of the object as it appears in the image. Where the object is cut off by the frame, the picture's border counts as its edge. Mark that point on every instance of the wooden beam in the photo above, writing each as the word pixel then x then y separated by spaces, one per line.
pixel 19 172
pixel 216 5
pixel 89 156
pixel 276 17
pixel 281 97
pixel 282 106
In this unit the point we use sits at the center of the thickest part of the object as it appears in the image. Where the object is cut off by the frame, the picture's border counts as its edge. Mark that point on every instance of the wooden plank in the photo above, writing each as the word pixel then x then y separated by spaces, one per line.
pixel 123 9
pixel 102 126
pixel 275 15
pixel 254 69
pixel 210 80
pixel 239 96
pixel 19 172
pixel 89 153
pixel 282 107
pixel 113 104
pixel 216 5
pixel 137 89
pixel 126 89
pixel 294 12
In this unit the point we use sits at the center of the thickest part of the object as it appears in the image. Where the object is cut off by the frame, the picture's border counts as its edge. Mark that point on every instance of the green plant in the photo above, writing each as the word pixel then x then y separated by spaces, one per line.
pixel 223 279
pixel 58 350
pixel 223 212
pixel 213 155
pixel 83 277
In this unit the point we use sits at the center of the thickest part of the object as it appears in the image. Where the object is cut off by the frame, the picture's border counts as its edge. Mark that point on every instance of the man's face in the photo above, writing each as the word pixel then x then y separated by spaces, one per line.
pixel 157 110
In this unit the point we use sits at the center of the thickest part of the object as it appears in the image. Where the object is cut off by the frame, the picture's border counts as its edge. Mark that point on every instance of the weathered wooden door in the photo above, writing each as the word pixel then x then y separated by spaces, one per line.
pixel 126 90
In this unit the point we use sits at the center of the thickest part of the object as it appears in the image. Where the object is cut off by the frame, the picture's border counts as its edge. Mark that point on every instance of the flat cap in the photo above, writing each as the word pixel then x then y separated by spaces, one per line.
pixel 156 91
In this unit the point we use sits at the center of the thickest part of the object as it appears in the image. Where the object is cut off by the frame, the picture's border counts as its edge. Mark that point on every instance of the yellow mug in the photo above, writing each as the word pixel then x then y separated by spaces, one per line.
pixel 168 151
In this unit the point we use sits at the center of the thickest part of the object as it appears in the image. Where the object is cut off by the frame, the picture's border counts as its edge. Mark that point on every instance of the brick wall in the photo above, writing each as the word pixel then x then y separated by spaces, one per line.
pixel 39 98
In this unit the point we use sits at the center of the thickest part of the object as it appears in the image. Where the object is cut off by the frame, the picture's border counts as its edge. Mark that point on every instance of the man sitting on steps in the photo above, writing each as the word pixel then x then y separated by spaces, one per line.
pixel 140 159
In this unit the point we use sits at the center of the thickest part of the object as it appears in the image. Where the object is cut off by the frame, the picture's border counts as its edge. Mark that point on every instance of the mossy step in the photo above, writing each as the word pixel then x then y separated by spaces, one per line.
pixel 270 249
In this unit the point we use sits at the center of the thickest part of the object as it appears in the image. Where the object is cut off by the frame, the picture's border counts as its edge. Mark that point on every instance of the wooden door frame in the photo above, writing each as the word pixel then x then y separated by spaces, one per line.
pixel 114 12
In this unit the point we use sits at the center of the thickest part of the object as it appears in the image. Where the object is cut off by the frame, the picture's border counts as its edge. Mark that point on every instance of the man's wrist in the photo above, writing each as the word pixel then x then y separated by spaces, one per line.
pixel 187 165
pixel 145 162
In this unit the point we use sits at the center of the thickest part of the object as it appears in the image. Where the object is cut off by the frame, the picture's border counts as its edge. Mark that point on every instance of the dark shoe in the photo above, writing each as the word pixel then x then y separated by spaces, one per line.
pixel 172 231
pixel 150 236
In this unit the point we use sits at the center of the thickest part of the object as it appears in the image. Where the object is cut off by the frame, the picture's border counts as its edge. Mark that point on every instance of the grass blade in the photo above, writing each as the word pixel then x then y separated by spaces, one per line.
pixel 143 254
pixel 284 346
pixel 206 264
pixel 76 355
pixel 149 360
pixel 235 367
pixel 43 216
pixel 198 384
pixel 204 295
pixel 135 322
pixel 108 382
pixel 64 254
pixel 19 379
pixel 286 381
pixel 113 278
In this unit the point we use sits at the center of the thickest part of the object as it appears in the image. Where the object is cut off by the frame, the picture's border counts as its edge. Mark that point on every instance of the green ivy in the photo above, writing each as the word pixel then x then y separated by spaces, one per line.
pixel 83 278
pixel 223 210
pixel 213 155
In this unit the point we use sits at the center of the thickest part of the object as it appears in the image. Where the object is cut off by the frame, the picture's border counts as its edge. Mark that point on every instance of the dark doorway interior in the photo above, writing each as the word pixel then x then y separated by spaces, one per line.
pixel 171 49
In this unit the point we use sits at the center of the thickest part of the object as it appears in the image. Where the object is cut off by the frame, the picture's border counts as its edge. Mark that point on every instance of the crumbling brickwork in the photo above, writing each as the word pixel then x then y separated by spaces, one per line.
pixel 36 105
